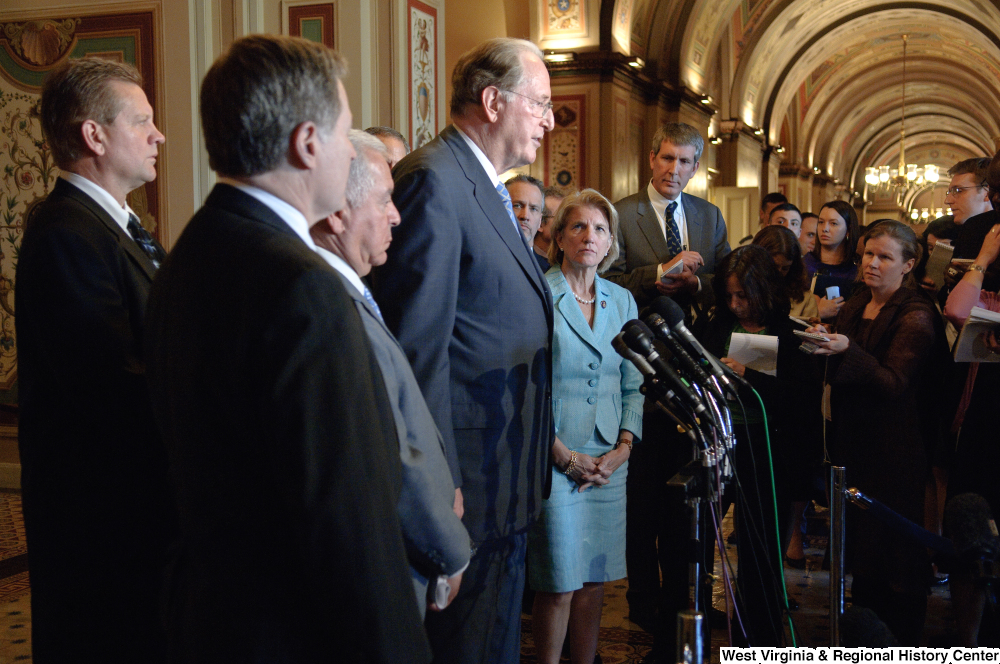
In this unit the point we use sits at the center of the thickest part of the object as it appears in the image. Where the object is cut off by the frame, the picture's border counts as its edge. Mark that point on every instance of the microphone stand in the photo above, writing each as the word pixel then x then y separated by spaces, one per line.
pixel 694 485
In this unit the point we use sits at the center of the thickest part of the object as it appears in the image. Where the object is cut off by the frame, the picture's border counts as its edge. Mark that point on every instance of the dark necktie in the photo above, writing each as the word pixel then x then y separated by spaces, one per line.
pixel 146 242
pixel 673 235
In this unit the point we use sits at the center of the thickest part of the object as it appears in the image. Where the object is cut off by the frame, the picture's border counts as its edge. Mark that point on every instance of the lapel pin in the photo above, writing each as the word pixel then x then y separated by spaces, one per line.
pixel 604 304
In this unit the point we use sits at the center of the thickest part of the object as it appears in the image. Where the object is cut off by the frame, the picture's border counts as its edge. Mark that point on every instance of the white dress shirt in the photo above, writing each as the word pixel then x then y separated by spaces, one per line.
pixel 101 197
pixel 288 213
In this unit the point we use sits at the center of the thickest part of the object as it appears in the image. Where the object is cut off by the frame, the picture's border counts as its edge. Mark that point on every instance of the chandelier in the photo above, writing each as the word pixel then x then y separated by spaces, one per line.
pixel 906 175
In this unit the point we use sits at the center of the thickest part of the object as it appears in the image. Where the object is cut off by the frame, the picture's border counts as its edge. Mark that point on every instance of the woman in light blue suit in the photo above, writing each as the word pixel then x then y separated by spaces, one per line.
pixel 578 542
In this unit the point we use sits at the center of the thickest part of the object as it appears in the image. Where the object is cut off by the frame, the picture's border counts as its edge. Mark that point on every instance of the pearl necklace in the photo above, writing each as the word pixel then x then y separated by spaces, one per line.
pixel 581 300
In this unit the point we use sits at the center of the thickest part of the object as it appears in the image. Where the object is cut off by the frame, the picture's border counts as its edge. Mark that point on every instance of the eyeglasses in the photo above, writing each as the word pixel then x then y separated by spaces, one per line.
pixel 955 191
pixel 539 109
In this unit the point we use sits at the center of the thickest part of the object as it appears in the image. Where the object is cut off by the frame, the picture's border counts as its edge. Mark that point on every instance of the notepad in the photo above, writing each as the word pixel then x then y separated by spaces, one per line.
pixel 755 351
pixel 970 346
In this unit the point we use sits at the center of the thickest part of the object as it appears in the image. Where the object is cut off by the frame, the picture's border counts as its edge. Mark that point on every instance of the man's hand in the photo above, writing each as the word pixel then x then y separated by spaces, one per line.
pixel 453 583
pixel 685 282
pixel 692 260
pixel 459 506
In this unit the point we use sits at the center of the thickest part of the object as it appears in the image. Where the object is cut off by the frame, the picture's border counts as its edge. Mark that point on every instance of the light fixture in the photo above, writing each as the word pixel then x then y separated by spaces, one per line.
pixel 706 99
pixel 554 57
pixel 779 148
pixel 636 62
pixel 914 214
pixel 715 140
pixel 897 180
pixel 758 131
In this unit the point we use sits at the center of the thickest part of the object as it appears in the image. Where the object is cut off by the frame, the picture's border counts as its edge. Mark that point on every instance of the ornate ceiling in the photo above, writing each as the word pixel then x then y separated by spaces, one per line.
pixel 823 78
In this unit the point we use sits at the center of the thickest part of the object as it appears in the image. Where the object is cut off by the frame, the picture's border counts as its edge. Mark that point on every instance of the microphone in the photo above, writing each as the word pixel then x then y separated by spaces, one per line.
pixel 674 317
pixel 638 338
pixel 618 343
pixel 659 326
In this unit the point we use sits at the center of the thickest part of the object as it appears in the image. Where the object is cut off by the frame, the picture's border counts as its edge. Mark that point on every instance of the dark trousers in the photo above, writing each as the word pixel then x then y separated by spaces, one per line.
pixel 759 596
pixel 657 530
pixel 483 624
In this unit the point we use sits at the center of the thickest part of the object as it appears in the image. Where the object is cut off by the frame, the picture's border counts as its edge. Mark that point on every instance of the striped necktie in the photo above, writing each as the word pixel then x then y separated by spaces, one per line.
pixel 502 190
pixel 371 301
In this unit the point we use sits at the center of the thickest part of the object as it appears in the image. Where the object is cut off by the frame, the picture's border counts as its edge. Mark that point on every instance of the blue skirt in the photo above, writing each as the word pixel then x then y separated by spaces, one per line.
pixel 579 537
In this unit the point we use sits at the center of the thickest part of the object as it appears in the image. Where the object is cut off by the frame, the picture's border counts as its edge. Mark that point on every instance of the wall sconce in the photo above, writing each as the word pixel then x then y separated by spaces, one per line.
pixel 636 62
pixel 706 99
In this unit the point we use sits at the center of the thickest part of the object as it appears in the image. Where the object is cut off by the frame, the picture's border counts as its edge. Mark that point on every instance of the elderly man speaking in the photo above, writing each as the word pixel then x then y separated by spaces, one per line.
pixel 352 241
pixel 464 296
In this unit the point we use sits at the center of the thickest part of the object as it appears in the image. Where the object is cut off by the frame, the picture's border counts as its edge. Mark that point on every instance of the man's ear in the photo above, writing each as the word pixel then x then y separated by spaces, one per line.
pixel 491 102
pixel 94 137
pixel 338 221
pixel 303 145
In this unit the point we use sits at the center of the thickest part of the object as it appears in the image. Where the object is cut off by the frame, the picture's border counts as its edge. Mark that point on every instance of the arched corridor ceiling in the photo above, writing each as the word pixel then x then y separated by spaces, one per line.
pixel 824 78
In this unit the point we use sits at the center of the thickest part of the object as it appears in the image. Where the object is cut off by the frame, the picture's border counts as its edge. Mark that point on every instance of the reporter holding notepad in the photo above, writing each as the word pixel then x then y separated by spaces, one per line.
pixel 879 360
pixel 751 298
pixel 977 458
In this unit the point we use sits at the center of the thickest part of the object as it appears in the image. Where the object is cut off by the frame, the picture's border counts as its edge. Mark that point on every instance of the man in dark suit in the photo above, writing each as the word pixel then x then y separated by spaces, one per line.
pixel 352 241
pixel 271 403
pixel 464 296
pixel 669 244
pixel 97 505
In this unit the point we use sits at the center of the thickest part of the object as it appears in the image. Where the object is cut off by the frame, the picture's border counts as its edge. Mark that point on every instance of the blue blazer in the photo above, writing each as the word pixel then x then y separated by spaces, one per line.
pixel 593 387
pixel 464 296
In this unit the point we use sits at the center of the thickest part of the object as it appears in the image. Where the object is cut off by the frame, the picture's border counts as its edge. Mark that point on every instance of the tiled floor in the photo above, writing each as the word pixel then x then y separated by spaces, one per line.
pixel 621 640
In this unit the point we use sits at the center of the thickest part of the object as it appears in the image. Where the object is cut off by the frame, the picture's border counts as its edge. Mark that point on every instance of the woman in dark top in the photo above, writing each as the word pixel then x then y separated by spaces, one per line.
pixel 885 344
pixel 752 299
pixel 832 260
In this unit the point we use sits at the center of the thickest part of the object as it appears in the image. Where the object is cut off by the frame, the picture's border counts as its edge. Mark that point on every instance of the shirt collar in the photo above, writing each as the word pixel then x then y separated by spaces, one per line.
pixel 101 196
pixel 481 156
pixel 288 213
pixel 659 201
pixel 340 265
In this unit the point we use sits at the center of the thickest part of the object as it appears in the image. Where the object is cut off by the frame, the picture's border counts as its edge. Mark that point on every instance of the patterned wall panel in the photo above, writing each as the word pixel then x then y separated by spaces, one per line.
pixel 422 44
pixel 565 145
pixel 28 50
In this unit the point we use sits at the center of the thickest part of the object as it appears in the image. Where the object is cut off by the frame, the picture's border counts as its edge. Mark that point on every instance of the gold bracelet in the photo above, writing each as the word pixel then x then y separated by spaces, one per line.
pixel 571 466
pixel 624 441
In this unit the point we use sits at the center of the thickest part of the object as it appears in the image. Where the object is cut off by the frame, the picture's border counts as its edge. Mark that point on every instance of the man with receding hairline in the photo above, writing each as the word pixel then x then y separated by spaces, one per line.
pixel 464 296
pixel 272 404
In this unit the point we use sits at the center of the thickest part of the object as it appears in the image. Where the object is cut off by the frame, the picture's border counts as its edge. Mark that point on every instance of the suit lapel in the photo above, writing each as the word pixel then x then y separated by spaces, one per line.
pixel 566 306
pixel 650 227
pixel 695 226
pixel 492 206
pixel 128 245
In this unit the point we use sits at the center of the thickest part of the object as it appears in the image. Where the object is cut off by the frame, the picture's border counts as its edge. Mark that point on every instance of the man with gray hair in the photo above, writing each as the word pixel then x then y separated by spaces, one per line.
pixel 353 240
pixel 394 142
pixel 669 245
pixel 464 296
pixel 527 198
pixel 272 405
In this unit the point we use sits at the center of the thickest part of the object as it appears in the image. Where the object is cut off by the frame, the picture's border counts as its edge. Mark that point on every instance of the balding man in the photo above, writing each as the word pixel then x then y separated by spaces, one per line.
pixel 353 241
pixel 464 296
pixel 273 407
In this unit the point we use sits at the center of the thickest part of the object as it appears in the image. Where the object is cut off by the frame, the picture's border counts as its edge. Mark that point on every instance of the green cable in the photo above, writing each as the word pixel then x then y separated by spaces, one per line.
pixel 774 502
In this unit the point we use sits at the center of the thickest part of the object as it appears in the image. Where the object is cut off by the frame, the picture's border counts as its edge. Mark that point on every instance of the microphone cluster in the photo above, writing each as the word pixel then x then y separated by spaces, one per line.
pixel 687 381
